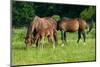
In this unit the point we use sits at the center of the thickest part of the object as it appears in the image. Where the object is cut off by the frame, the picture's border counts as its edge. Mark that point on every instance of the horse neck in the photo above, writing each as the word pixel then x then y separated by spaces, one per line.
pixel 29 32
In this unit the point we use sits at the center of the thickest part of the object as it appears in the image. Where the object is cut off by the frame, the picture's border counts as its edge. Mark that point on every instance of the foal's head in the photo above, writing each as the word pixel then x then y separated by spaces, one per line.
pixel 28 41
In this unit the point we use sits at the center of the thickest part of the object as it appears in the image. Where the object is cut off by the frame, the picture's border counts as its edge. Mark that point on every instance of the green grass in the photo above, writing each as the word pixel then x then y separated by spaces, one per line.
pixel 71 52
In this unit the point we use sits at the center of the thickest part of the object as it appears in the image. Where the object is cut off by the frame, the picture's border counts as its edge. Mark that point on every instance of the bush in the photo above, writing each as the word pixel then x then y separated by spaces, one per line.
pixel 88 13
pixel 56 17
pixel 22 13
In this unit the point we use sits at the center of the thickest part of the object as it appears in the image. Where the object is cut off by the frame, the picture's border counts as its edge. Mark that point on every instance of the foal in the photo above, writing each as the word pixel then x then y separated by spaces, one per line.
pixel 48 32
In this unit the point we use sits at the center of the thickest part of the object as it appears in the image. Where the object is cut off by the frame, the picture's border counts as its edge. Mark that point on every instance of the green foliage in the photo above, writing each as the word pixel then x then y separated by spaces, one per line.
pixel 88 13
pixel 56 17
pixel 22 13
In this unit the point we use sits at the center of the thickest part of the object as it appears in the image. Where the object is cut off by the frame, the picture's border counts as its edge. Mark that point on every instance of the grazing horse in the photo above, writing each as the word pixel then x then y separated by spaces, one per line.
pixel 72 25
pixel 38 24
pixel 48 32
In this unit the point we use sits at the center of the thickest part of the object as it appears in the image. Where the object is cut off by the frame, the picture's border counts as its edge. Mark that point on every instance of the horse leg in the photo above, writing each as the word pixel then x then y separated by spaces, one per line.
pixel 62 37
pixel 55 38
pixel 65 36
pixel 79 36
pixel 53 42
pixel 37 43
pixel 49 40
pixel 42 42
pixel 84 35
pixel 52 39
pixel 37 40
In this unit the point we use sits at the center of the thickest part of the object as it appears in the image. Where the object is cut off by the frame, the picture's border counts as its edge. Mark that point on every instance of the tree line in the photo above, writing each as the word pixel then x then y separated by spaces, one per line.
pixel 23 12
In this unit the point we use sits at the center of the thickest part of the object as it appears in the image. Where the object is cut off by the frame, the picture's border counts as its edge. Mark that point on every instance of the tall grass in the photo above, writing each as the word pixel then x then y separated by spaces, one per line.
pixel 71 52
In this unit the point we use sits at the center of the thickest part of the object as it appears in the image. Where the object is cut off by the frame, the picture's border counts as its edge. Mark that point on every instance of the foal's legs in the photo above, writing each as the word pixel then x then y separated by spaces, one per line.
pixel 37 42
pixel 79 36
pixel 52 39
pixel 49 40
pixel 42 41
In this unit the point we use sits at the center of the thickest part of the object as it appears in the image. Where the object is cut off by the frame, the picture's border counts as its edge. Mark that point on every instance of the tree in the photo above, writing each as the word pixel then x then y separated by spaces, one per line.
pixel 88 13
pixel 22 13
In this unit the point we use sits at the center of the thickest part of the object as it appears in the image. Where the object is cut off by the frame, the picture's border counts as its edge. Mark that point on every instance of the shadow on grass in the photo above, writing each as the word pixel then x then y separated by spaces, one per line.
pixel 19 48
pixel 23 48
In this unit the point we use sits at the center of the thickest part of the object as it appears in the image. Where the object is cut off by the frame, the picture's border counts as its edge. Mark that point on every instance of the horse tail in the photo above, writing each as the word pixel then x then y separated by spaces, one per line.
pixel 90 26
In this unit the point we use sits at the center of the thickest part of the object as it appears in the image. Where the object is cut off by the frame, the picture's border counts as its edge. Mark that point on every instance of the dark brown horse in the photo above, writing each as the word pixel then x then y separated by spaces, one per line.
pixel 38 24
pixel 72 25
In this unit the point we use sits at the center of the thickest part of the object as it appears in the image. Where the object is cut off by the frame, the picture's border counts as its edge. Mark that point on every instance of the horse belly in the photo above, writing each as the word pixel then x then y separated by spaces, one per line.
pixel 73 27
pixel 72 30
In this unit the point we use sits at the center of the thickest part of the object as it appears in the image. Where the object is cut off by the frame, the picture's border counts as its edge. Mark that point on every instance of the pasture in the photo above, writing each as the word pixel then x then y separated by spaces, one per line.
pixel 71 52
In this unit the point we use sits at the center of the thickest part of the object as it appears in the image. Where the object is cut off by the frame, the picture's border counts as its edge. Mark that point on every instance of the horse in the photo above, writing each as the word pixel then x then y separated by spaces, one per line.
pixel 36 25
pixel 48 32
pixel 72 25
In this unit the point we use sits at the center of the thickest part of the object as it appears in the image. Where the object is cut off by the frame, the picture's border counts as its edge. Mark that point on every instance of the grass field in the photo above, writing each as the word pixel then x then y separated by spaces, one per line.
pixel 71 52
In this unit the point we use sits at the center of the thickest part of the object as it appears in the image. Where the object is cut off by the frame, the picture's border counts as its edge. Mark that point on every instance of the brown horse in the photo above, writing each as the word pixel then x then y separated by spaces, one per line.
pixel 72 25
pixel 36 25
pixel 48 32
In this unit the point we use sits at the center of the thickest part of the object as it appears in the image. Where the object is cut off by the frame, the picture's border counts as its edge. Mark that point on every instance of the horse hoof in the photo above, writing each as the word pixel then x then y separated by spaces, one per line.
pixel 62 45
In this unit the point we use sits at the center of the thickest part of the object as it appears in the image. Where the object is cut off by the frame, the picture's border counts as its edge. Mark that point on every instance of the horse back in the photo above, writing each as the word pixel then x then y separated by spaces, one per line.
pixel 70 25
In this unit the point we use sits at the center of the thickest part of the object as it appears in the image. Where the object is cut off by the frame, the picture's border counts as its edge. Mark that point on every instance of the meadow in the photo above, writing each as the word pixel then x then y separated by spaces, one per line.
pixel 71 52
